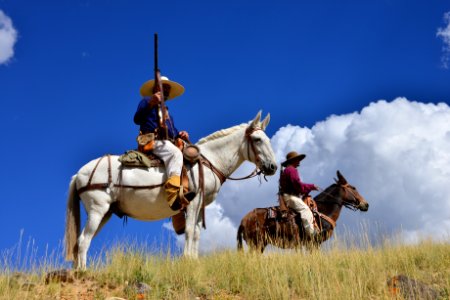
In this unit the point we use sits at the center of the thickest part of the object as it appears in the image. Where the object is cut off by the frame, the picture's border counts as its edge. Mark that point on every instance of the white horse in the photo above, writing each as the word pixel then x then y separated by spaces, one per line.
pixel 104 184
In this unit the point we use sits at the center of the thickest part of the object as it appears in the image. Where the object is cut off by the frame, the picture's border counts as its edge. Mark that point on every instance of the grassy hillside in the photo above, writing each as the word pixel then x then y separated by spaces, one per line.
pixel 332 274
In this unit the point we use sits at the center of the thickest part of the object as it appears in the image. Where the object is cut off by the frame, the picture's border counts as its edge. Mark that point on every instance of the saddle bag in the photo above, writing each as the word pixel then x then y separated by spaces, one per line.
pixel 134 158
pixel 146 142
pixel 179 222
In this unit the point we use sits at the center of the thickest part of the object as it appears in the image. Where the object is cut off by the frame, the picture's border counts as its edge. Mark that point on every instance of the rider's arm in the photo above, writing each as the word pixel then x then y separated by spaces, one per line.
pixel 178 134
pixel 306 188
pixel 299 186
pixel 142 111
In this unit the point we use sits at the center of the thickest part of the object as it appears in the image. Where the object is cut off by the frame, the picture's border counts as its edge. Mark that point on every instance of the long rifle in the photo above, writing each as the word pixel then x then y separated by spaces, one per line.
pixel 163 133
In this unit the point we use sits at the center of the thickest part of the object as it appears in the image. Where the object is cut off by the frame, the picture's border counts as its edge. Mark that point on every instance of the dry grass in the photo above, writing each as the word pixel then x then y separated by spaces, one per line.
pixel 336 273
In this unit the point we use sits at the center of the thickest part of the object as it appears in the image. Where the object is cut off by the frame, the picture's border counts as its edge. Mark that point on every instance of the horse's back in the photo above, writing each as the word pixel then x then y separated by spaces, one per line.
pixel 269 225
pixel 108 168
pixel 139 191
pixel 255 215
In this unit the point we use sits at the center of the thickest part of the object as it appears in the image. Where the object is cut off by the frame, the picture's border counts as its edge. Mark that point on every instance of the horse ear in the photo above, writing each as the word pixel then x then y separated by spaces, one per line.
pixel 256 120
pixel 341 178
pixel 265 122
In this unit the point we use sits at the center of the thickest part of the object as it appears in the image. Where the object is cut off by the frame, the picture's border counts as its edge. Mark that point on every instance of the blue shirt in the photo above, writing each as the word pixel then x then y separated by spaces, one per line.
pixel 147 118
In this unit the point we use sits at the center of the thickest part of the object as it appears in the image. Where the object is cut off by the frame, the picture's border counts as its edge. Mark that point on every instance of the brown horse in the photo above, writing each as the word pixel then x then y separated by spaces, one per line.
pixel 263 226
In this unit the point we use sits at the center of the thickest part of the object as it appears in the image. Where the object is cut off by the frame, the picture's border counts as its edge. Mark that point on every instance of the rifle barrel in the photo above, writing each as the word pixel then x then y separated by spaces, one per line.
pixel 162 110
pixel 156 51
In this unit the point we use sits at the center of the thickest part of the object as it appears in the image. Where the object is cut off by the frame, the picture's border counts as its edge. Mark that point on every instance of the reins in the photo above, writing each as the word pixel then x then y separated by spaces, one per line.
pixel 254 173
pixel 339 201
pixel 222 177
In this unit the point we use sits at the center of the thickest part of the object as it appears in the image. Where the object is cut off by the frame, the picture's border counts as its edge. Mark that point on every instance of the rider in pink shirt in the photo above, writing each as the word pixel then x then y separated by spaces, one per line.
pixel 292 189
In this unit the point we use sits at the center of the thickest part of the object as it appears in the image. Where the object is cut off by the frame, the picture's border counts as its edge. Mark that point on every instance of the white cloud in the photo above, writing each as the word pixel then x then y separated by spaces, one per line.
pixel 217 227
pixel 8 37
pixel 396 154
pixel 444 34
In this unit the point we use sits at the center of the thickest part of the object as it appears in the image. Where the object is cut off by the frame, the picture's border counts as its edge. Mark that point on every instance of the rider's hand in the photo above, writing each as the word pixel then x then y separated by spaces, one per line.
pixel 155 100
pixel 184 135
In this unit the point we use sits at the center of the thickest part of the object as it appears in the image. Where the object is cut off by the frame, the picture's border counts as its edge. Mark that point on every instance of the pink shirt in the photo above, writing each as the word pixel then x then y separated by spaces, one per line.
pixel 291 184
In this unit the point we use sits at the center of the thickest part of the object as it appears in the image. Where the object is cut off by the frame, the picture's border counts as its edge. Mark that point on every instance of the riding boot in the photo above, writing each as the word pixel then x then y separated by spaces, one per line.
pixel 175 197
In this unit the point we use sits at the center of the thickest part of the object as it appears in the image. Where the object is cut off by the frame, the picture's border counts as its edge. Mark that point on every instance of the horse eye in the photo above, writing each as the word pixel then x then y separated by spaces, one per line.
pixel 257 140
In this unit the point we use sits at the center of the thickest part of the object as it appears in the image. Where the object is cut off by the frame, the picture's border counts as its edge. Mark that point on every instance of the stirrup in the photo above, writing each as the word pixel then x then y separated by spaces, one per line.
pixel 189 196
pixel 182 201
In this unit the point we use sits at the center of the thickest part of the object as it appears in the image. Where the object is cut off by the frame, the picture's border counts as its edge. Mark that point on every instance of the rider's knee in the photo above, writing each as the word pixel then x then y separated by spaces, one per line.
pixel 177 155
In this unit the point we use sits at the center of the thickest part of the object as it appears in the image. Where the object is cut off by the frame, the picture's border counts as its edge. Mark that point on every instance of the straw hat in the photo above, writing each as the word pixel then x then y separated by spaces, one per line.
pixel 176 89
pixel 291 157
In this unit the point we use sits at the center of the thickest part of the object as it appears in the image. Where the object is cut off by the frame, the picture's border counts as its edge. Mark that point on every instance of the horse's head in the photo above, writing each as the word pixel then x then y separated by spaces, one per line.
pixel 257 147
pixel 350 195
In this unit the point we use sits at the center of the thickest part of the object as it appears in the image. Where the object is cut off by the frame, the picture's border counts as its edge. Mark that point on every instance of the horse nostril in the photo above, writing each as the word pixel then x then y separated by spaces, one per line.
pixel 365 207
pixel 273 167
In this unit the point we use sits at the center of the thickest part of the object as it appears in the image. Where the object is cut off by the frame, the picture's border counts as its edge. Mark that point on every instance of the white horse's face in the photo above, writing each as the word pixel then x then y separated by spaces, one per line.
pixel 258 147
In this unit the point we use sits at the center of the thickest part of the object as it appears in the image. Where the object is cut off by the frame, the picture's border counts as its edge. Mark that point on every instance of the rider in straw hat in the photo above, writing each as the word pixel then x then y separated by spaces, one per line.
pixel 292 189
pixel 146 117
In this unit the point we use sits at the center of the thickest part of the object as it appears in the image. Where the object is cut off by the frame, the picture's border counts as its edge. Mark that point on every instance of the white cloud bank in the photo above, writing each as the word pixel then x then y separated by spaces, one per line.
pixel 397 154
pixel 444 34
pixel 8 37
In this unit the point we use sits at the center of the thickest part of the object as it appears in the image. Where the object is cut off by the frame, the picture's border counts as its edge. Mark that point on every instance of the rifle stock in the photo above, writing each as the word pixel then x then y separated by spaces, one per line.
pixel 163 133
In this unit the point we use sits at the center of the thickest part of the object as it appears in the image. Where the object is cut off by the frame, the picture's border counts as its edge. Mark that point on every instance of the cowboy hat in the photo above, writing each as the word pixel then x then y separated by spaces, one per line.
pixel 176 89
pixel 291 157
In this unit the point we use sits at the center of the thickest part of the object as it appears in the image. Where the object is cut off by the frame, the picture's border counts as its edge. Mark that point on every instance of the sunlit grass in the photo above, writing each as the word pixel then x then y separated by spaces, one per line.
pixel 343 270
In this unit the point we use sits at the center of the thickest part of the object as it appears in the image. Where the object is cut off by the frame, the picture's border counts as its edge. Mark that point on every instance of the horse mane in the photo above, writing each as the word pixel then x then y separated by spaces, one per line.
pixel 221 133
pixel 328 191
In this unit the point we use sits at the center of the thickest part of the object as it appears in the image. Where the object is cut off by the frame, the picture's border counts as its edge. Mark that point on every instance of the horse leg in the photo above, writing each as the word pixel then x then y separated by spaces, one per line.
pixel 105 220
pixel 192 233
pixel 196 236
pixel 262 246
pixel 97 208
pixel 257 247
pixel 312 246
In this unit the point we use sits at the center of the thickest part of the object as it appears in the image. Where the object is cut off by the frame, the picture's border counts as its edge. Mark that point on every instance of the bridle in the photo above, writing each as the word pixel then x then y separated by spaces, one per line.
pixel 248 135
pixel 340 200
pixel 222 177
pixel 248 132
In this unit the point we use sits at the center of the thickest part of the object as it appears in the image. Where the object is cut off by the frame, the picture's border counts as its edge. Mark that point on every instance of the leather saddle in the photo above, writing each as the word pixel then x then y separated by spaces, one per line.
pixel 285 214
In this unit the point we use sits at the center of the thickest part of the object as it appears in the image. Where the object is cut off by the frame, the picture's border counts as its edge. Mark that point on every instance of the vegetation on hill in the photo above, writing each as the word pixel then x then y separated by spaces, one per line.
pixel 334 273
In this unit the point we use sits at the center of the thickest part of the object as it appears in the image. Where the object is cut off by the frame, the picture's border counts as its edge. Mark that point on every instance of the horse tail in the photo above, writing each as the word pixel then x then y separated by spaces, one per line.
pixel 73 221
pixel 239 237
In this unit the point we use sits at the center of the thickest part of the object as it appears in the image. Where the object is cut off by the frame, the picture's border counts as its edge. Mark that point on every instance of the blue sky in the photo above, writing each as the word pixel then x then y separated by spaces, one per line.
pixel 69 86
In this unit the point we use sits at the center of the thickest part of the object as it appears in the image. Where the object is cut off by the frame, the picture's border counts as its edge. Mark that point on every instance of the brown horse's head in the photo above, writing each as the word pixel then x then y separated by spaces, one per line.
pixel 350 195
